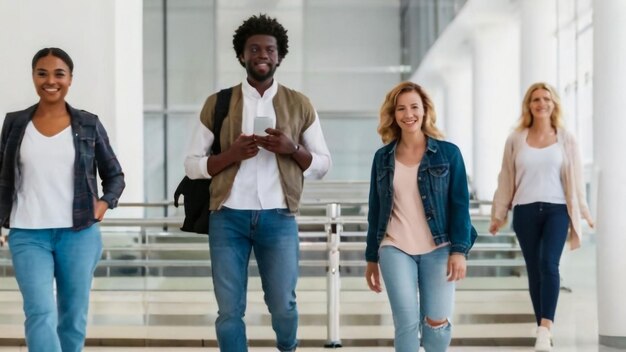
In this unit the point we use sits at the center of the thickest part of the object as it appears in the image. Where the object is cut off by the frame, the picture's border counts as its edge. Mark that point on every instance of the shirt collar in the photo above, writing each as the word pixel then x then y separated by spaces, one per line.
pixel 251 92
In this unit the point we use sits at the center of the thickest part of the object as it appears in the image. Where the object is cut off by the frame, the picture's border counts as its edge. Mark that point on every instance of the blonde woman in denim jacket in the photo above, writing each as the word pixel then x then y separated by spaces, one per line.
pixel 541 179
pixel 419 224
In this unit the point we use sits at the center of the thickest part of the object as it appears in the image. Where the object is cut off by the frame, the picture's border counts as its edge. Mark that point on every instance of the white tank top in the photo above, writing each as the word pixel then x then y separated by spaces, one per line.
pixel 538 175
pixel 46 191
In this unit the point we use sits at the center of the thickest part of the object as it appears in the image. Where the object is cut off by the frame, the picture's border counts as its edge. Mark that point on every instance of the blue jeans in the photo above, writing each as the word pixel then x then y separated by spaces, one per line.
pixel 541 229
pixel 68 257
pixel 273 235
pixel 407 277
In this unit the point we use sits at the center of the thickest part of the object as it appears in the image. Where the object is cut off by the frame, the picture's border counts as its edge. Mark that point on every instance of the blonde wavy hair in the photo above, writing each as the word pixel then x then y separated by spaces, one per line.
pixel 526 120
pixel 388 127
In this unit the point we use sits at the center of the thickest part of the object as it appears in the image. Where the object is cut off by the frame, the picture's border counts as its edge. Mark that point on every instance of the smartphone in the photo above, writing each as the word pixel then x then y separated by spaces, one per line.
pixel 261 123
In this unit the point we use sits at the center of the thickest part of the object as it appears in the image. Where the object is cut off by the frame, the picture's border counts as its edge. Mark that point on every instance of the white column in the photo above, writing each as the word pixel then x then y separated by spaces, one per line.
pixel 538 42
pixel 437 94
pixel 128 95
pixel 609 55
pixel 104 39
pixel 496 101
pixel 458 112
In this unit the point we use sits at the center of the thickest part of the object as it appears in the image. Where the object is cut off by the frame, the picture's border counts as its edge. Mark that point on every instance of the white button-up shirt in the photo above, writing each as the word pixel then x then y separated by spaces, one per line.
pixel 257 183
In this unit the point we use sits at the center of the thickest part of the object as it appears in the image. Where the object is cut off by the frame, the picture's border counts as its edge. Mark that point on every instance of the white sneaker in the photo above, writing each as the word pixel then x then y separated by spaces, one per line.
pixel 544 340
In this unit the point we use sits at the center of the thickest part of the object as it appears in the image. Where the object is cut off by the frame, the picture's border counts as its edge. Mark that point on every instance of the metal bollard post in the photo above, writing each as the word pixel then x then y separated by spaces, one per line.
pixel 333 288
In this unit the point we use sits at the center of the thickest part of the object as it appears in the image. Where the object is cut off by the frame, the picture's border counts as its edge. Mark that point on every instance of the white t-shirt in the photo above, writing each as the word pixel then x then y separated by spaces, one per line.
pixel 46 192
pixel 538 175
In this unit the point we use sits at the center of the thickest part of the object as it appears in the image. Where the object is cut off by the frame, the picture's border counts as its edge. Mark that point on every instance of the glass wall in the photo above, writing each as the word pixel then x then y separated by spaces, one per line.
pixel 179 58
pixel 575 70
pixel 352 58
pixel 422 22
pixel 343 55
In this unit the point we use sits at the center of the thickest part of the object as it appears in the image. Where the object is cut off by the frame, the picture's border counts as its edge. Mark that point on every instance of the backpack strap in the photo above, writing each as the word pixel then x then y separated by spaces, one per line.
pixel 221 110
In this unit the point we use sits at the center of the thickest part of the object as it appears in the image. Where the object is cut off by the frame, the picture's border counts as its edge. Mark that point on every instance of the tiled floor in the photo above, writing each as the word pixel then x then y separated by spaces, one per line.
pixel 575 329
pixel 345 349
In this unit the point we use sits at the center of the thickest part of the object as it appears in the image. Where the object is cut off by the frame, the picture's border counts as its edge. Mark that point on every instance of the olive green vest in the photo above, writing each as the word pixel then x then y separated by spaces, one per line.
pixel 294 114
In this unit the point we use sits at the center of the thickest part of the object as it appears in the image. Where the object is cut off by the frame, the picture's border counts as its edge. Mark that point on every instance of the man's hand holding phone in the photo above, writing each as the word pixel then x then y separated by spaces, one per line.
pixel 261 123
pixel 271 139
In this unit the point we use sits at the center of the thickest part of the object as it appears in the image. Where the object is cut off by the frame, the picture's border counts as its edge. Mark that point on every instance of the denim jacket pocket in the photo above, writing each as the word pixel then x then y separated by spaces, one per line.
pixel 439 177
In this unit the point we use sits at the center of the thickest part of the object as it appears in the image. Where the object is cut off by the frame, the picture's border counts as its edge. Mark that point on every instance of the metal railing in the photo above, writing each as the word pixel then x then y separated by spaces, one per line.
pixel 333 223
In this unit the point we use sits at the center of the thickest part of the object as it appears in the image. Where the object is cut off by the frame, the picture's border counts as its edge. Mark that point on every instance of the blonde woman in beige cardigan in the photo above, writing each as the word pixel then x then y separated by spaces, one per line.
pixel 541 180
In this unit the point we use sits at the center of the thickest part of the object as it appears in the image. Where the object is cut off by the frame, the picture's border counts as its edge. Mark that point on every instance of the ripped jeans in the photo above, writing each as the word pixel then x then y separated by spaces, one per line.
pixel 418 290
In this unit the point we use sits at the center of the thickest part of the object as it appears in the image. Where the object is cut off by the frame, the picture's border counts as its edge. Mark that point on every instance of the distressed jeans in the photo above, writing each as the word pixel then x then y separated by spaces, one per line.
pixel 69 258
pixel 417 287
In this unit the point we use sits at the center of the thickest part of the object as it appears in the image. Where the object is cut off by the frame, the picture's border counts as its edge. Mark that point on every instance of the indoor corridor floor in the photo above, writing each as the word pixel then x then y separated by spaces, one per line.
pixel 575 329
pixel 315 349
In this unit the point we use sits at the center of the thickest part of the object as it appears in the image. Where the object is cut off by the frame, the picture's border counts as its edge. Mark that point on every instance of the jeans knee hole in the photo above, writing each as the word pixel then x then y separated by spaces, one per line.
pixel 436 324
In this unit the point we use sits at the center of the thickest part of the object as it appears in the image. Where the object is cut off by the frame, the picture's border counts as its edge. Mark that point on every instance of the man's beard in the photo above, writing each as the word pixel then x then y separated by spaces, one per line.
pixel 260 77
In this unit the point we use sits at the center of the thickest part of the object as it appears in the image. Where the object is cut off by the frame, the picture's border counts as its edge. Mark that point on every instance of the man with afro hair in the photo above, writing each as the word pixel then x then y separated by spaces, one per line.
pixel 271 139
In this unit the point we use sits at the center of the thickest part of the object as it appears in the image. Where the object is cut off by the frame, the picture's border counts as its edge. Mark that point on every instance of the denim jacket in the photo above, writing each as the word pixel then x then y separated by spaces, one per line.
pixel 442 183
pixel 93 151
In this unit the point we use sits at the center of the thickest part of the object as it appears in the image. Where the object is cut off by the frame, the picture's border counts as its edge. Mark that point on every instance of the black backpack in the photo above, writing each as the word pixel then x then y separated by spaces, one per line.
pixel 196 192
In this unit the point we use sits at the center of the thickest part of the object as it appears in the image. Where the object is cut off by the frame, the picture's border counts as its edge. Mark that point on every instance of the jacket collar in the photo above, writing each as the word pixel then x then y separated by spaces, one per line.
pixel 431 145
pixel 78 118
pixel 30 112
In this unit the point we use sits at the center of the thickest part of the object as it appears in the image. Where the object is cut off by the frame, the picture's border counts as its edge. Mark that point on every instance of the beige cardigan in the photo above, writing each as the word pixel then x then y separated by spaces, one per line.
pixel 571 177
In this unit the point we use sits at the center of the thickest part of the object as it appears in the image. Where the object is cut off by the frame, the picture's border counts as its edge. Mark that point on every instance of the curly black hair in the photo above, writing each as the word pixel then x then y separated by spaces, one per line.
pixel 261 24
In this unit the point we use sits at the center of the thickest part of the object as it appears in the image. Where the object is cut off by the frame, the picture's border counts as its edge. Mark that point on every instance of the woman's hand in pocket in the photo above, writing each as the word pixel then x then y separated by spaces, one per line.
pixel 100 209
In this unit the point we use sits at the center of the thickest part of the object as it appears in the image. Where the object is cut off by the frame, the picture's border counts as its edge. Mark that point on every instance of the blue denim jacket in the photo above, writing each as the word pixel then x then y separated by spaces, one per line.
pixel 442 183
pixel 93 151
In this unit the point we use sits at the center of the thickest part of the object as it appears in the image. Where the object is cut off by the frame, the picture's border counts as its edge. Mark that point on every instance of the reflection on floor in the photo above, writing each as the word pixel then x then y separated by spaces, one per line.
pixel 312 349
pixel 575 329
